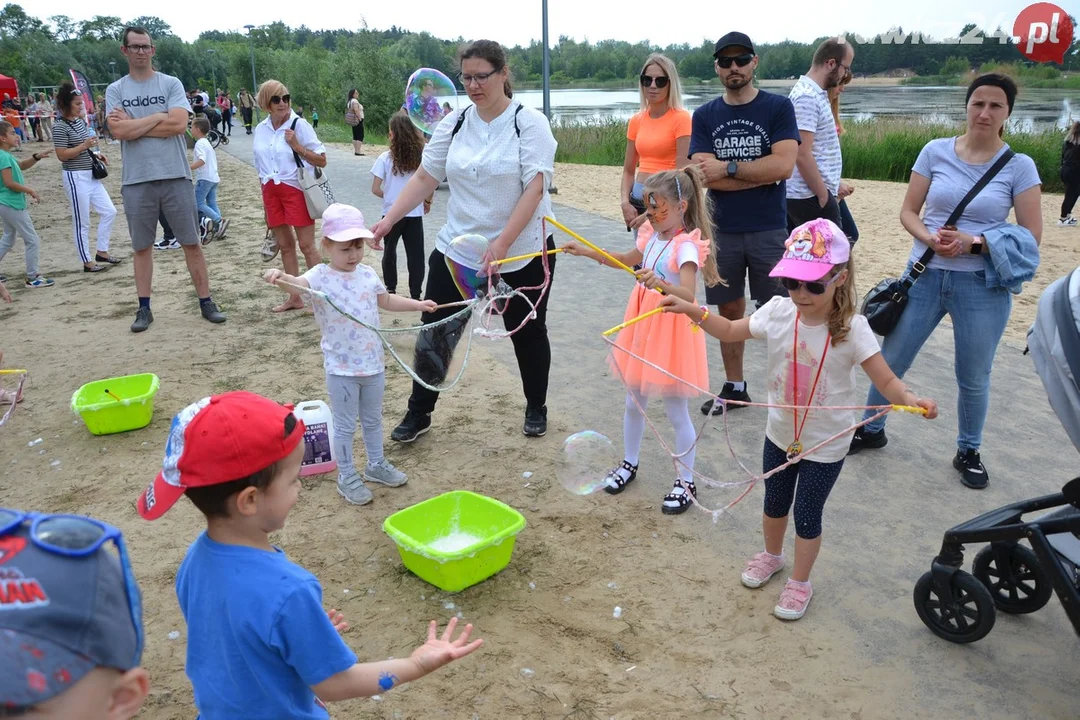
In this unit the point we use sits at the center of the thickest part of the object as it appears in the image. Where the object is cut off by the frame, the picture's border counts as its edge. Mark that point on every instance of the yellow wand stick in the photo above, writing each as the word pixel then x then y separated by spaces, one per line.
pixel 526 257
pixel 603 253
pixel 631 321
pixel 913 409
pixel 12 372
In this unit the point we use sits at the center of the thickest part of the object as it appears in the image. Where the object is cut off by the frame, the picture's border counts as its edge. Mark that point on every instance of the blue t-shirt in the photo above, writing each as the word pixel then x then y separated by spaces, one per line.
pixel 258 635
pixel 950 180
pixel 744 133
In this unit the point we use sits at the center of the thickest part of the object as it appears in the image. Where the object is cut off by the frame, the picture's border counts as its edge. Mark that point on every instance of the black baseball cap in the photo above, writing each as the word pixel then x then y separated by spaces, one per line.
pixel 733 39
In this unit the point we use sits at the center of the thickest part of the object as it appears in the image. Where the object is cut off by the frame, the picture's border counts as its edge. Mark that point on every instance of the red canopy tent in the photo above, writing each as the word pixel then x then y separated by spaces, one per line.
pixel 9 86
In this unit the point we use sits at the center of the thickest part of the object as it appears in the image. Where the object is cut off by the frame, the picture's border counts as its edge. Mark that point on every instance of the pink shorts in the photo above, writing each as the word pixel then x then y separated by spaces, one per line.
pixel 285 205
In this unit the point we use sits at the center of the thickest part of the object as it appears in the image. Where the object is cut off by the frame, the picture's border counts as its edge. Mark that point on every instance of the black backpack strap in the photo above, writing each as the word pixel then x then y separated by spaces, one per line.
pixel 459 123
pixel 1067 330
pixel 517 130
pixel 296 155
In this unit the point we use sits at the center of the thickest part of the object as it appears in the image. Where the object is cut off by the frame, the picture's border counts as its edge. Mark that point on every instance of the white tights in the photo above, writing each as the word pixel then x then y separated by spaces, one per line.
pixel 678 412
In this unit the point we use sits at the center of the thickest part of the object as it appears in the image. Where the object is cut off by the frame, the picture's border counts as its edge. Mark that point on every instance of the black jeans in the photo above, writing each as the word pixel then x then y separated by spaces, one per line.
pixel 531 344
pixel 848 223
pixel 807 209
pixel 1072 192
pixel 411 231
pixel 246 114
pixel 169 234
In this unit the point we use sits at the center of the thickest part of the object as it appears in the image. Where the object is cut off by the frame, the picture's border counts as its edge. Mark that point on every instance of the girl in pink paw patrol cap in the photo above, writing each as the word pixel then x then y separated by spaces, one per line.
pixel 816 339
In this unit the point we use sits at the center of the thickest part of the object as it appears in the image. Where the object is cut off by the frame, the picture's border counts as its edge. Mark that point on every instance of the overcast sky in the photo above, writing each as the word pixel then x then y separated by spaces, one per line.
pixel 515 22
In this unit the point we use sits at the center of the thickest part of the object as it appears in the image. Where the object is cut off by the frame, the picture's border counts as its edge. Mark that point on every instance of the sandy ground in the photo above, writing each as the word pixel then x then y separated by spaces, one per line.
pixel 687 645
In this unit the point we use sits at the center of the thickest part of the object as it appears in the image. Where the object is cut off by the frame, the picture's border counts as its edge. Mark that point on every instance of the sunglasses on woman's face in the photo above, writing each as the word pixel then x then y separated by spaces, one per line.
pixel 660 82
pixel 740 60
pixel 280 99
pixel 814 288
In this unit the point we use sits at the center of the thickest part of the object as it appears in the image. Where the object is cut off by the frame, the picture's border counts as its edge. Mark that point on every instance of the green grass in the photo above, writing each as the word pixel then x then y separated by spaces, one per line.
pixel 882 149
pixel 342 133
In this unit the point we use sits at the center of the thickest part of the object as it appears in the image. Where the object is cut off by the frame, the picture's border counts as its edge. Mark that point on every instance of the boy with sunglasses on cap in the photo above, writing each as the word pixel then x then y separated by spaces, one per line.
pixel 70 621
pixel 260 644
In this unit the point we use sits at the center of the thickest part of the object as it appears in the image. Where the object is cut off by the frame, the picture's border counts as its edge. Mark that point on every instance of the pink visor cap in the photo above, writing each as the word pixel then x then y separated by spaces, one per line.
pixel 812 250
pixel 342 223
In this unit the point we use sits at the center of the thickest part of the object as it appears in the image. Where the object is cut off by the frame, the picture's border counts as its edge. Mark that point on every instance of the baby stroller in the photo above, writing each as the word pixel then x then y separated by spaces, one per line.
pixel 1007 576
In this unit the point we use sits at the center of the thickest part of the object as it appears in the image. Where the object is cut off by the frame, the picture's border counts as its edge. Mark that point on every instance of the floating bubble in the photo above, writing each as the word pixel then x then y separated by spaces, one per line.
pixel 425 94
pixel 464 259
pixel 587 457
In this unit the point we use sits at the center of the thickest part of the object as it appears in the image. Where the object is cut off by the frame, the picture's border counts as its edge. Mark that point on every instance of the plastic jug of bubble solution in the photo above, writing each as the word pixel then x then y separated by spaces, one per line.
pixel 318 437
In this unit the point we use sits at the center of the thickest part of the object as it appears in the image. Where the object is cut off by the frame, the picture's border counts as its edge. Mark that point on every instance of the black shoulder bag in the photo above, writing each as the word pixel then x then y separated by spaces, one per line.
pixel 98 169
pixel 884 305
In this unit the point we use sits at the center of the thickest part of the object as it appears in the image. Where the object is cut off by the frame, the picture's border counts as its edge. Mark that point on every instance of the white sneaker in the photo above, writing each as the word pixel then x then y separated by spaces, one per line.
pixel 384 473
pixel 206 230
pixel 353 490
pixel 164 244
pixel 1068 221
pixel 222 228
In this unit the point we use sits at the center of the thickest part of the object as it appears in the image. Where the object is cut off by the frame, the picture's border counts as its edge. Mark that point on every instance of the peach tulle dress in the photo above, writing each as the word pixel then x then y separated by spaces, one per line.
pixel 669 340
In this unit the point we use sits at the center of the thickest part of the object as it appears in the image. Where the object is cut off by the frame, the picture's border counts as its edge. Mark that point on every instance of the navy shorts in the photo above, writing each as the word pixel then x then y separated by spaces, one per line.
pixel 748 254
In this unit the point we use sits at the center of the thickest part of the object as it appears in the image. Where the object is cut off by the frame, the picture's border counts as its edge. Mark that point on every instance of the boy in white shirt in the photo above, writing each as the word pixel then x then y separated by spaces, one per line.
pixel 212 225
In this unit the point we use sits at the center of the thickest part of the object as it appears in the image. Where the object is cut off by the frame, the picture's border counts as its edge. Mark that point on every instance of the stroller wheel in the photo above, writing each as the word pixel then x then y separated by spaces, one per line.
pixel 965 617
pixel 1022 587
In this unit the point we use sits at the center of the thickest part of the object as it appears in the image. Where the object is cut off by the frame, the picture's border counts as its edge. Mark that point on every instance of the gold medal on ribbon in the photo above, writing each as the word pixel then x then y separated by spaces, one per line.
pixel 794 450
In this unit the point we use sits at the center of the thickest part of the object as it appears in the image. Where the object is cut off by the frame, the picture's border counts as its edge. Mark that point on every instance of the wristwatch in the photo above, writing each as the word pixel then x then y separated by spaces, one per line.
pixel 732 168
pixel 977 245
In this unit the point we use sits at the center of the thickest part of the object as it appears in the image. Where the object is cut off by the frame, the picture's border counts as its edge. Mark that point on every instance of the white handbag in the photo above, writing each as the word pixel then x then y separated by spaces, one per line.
pixel 316 186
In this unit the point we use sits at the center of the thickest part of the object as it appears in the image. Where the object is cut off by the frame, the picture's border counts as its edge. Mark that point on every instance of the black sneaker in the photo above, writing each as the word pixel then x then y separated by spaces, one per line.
pixel 535 421
pixel 972 472
pixel 864 439
pixel 412 426
pixel 210 312
pixel 143 318
pixel 728 392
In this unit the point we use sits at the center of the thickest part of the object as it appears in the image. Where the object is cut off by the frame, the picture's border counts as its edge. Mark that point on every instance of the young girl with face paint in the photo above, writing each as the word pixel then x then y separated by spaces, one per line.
pixel 673 245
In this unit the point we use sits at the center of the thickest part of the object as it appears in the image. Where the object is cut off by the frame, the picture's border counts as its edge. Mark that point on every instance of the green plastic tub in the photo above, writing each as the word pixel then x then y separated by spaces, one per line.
pixel 105 415
pixel 455 540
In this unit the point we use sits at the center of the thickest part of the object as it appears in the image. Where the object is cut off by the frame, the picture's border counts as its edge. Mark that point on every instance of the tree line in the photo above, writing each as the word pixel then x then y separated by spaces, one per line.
pixel 320 66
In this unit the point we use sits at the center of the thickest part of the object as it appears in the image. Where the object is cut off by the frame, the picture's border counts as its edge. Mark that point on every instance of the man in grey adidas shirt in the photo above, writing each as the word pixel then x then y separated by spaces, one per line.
pixel 813 187
pixel 148 113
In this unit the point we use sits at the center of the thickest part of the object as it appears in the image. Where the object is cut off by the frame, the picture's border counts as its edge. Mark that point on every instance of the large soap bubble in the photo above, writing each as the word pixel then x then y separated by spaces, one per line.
pixel 586 459
pixel 464 259
pixel 425 94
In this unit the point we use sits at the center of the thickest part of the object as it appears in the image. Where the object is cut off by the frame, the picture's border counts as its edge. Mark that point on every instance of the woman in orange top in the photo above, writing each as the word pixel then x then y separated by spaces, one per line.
pixel 658 137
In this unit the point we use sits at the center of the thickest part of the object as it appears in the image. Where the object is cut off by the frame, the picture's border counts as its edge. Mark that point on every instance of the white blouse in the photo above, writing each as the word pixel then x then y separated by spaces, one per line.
pixel 488 166
pixel 274 158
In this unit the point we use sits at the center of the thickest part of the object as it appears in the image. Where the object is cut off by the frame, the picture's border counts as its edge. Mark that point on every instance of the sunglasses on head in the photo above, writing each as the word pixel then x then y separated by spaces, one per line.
pixel 740 60
pixel 75 536
pixel 275 99
pixel 814 288
pixel 660 82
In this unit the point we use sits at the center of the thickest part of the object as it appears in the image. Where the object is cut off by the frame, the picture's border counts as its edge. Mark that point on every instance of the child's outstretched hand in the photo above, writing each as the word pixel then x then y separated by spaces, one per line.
pixel 273 275
pixel 574 248
pixel 929 405
pixel 428 305
pixel 670 303
pixel 337 619
pixel 439 651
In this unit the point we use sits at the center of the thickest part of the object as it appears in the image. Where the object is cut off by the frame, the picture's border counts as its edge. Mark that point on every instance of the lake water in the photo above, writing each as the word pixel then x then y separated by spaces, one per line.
pixel 1035 109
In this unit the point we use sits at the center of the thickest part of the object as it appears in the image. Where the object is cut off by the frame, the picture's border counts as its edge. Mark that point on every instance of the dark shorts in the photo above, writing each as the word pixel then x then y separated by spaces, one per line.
pixel 358 131
pixel 753 254
pixel 807 209
pixel 173 199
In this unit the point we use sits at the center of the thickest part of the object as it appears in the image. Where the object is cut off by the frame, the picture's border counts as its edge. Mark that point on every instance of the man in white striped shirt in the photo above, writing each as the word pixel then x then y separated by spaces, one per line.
pixel 812 189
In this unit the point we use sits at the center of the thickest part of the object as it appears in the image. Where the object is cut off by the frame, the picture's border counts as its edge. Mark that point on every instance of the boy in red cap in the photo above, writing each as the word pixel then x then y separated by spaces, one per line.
pixel 260 644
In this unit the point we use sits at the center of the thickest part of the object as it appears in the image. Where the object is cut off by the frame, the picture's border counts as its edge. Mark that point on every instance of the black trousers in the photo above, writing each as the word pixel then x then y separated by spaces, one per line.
pixel 531 345
pixel 246 114
pixel 1072 192
pixel 411 231
pixel 805 210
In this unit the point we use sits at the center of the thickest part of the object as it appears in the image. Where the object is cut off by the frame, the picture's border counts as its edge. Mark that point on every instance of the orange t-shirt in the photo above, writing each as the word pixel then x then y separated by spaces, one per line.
pixel 654 138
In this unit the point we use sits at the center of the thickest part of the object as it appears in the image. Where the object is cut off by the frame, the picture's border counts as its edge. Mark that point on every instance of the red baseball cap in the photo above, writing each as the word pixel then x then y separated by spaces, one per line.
pixel 217 440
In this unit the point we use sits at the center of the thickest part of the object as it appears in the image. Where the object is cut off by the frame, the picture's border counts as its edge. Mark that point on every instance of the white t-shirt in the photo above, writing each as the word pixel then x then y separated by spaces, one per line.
pixel 348 347
pixel 274 160
pixel 775 323
pixel 813 114
pixel 393 183
pixel 488 166
pixel 205 152
pixel 657 257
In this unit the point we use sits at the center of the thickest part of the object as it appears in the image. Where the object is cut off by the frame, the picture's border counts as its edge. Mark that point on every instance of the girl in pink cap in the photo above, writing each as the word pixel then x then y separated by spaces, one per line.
pixel 816 338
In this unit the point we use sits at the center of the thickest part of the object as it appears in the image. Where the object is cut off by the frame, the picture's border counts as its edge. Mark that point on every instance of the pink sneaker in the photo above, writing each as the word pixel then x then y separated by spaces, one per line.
pixel 793 600
pixel 760 568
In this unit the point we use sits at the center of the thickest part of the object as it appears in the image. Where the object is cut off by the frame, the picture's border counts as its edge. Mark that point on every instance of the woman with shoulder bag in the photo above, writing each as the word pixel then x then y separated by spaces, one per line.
pixel 354 116
pixel 960 279
pixel 73 142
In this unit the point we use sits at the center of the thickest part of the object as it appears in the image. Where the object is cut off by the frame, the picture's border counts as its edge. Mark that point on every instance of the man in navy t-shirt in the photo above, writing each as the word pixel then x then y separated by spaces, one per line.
pixel 746 142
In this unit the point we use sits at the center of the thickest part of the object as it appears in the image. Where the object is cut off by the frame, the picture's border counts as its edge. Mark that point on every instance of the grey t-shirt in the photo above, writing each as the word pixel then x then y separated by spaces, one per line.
pixel 950 180
pixel 150 158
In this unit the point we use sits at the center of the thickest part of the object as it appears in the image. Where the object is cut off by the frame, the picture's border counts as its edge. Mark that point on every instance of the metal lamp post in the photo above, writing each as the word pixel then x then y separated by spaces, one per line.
pixel 547 74
pixel 112 69
pixel 254 83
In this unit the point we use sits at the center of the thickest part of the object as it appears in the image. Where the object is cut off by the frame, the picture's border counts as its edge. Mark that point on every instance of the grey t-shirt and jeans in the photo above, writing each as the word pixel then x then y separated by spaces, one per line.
pixel 156 176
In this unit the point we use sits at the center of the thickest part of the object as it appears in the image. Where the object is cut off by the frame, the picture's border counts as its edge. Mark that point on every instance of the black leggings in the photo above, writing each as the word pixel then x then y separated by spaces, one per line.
pixel 531 345
pixel 1072 192
pixel 815 481
pixel 411 231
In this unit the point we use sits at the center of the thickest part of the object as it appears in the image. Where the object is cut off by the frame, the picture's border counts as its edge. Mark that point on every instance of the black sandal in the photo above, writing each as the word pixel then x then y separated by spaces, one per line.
pixel 616 478
pixel 110 260
pixel 682 500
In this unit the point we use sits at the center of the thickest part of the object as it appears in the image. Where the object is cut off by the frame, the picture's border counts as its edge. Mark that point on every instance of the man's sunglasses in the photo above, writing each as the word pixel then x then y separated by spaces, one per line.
pixel 275 99
pixel 75 536
pixel 660 82
pixel 740 60
pixel 814 288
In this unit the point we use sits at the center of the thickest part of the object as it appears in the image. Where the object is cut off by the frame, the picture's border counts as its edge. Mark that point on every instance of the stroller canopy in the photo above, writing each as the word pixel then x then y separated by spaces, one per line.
pixel 1054 343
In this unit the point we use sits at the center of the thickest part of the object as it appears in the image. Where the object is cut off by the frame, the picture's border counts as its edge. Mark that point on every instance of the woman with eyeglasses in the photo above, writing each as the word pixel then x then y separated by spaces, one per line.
pixel 499 157
pixel 658 136
pixel 281 134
